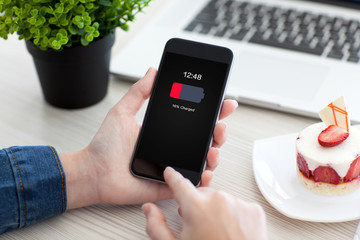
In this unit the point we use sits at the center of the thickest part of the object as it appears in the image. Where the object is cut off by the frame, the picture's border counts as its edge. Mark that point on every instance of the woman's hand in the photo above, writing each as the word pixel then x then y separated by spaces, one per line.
pixel 101 172
pixel 207 214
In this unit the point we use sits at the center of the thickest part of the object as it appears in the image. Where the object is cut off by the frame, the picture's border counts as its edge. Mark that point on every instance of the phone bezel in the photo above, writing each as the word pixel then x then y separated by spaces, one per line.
pixel 191 49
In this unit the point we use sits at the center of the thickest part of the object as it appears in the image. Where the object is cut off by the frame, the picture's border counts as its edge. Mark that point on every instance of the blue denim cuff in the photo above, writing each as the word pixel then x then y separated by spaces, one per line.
pixel 32 186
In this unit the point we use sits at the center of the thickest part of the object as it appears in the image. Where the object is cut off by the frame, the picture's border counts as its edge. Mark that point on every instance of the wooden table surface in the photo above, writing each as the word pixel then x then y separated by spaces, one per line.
pixel 26 119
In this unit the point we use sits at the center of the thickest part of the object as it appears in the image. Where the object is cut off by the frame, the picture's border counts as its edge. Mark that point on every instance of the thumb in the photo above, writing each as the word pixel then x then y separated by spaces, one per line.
pixel 138 93
pixel 156 226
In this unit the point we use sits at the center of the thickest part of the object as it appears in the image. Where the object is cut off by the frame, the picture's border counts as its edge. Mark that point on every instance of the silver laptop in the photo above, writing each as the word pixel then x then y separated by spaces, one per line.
pixel 290 55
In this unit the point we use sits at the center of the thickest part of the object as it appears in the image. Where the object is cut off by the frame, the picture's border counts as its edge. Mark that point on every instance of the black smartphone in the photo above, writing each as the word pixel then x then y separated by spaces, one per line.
pixel 183 109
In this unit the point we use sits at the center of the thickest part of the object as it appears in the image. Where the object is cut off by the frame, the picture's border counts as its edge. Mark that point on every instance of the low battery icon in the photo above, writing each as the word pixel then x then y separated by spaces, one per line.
pixel 187 92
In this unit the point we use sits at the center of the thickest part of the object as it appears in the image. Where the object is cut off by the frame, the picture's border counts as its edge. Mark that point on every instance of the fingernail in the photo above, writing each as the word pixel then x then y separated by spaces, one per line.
pixel 146 209
pixel 218 153
pixel 170 168
pixel 150 69
pixel 236 104
pixel 147 72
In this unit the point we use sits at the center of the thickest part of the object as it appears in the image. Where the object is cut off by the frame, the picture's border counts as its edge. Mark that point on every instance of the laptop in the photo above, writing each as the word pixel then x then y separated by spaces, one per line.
pixel 290 55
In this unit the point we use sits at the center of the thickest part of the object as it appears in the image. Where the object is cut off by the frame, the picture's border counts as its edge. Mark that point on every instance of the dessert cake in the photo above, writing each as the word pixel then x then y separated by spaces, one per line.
pixel 328 153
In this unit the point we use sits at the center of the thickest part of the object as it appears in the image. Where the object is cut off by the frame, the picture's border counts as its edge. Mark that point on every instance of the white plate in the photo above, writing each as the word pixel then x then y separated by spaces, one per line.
pixel 274 166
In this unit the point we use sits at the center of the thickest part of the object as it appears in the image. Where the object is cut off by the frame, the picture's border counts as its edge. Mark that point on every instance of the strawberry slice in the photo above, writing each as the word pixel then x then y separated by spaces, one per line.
pixel 327 175
pixel 354 170
pixel 303 166
pixel 332 136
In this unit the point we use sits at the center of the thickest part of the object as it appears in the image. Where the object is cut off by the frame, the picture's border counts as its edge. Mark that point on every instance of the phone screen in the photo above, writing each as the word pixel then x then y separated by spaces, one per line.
pixel 183 110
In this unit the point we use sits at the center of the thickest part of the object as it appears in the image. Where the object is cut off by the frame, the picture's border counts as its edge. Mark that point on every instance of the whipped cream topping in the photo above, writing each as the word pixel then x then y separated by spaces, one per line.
pixel 338 157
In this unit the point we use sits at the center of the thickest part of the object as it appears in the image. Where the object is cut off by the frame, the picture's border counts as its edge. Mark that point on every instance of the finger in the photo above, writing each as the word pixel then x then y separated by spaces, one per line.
pixel 156 226
pixel 212 159
pixel 219 135
pixel 206 177
pixel 138 93
pixel 181 187
pixel 227 108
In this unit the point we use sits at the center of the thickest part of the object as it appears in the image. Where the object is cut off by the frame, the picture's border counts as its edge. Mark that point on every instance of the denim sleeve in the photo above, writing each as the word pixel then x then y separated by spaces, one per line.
pixel 32 186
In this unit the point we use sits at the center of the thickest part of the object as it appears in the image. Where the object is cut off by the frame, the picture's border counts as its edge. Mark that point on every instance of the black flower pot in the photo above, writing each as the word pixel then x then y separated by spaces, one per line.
pixel 75 77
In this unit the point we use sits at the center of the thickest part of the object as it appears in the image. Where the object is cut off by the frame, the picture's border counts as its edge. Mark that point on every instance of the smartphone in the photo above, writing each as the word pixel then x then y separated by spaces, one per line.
pixel 182 111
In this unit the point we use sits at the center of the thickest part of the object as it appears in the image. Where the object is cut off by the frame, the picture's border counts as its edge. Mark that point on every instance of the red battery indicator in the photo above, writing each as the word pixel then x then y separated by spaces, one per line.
pixel 187 92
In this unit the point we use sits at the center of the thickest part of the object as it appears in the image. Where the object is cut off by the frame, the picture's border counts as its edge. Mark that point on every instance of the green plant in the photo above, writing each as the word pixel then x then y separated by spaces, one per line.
pixel 53 24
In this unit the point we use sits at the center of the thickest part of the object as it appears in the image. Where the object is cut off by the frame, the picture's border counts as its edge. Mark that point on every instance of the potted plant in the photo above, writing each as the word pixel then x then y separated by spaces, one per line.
pixel 70 41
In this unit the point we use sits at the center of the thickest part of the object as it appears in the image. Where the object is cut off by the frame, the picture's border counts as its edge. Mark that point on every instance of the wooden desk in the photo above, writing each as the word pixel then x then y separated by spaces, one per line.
pixel 26 119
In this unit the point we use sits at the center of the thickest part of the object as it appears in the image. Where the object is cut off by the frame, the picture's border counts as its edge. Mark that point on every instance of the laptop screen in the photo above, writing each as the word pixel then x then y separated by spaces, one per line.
pixel 343 3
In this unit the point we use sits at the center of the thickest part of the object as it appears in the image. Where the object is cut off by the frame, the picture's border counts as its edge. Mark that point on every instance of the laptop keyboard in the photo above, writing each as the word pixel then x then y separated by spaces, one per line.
pixel 321 35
